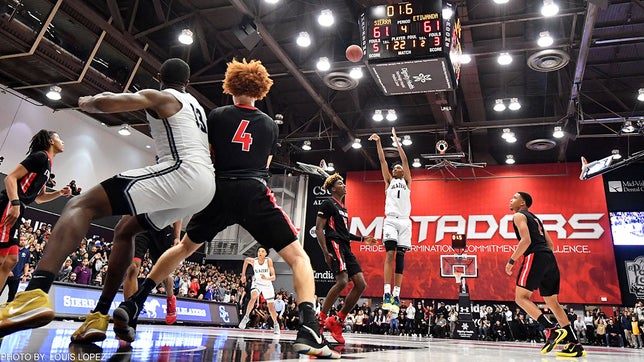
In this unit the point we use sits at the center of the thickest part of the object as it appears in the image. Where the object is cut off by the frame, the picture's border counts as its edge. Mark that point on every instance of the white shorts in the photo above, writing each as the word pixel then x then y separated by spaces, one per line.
pixel 266 290
pixel 166 192
pixel 398 230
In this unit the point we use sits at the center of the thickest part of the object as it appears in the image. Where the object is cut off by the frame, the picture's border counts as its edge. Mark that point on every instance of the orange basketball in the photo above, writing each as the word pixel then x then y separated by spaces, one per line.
pixel 354 53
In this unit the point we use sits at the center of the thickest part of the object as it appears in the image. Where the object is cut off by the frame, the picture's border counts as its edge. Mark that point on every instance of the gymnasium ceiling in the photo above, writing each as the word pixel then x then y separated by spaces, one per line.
pixel 87 47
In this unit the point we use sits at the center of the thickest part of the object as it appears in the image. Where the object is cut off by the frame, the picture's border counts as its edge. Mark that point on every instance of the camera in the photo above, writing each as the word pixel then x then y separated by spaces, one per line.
pixel 75 189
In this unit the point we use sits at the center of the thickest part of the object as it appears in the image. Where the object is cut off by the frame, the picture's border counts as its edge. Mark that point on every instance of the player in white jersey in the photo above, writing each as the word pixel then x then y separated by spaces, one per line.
pixel 263 277
pixel 396 230
pixel 150 198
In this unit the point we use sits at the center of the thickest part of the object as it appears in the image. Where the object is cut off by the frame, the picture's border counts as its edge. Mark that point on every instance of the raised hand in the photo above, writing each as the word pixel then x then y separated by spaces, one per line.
pixel 374 137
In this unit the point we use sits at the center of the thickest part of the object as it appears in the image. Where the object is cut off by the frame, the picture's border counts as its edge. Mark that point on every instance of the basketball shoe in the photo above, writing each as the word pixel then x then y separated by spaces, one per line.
pixel 334 325
pixel 395 305
pixel 244 322
pixel 171 310
pixel 386 301
pixel 276 329
pixel 554 335
pixel 93 328
pixel 125 319
pixel 30 309
pixel 572 350
pixel 309 341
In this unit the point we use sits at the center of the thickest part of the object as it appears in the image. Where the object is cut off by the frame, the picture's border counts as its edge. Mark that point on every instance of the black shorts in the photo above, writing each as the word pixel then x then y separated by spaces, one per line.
pixel 9 235
pixel 155 241
pixel 345 261
pixel 249 203
pixel 540 270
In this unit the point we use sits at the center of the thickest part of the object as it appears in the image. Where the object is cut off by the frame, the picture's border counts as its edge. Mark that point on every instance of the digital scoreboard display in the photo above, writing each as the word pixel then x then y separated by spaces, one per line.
pixel 412 47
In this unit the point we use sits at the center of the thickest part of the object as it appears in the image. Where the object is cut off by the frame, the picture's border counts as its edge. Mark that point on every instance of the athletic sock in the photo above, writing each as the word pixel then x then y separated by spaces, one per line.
pixel 142 294
pixel 387 288
pixel 572 337
pixel 41 280
pixel 307 313
pixel 103 305
pixel 342 315
pixel 396 291
pixel 545 321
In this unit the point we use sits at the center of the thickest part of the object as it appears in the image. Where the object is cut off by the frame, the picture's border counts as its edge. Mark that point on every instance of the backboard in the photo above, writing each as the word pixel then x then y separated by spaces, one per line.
pixel 465 264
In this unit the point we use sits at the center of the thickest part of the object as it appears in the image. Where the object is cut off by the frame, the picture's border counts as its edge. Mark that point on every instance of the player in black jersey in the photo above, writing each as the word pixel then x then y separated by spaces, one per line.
pixel 539 270
pixel 243 140
pixel 24 185
pixel 334 239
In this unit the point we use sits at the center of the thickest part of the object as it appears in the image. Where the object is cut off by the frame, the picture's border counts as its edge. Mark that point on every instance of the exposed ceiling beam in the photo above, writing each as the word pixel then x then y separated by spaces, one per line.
pixel 158 10
pixel 113 7
pixel 132 15
pixel 518 18
pixel 40 35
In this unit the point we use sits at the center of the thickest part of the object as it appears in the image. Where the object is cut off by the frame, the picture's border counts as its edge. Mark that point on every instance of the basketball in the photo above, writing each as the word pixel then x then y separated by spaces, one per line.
pixel 354 53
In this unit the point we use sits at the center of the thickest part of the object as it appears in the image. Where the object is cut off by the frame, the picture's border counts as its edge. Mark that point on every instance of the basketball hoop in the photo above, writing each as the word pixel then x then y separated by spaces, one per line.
pixel 458 276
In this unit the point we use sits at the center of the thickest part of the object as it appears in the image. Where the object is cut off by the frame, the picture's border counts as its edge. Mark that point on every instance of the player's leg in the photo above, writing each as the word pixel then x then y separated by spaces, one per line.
pixel 130 283
pixel 403 243
pixel 171 301
pixel 273 313
pixel 254 295
pixel 157 243
pixel 389 239
pixel 9 260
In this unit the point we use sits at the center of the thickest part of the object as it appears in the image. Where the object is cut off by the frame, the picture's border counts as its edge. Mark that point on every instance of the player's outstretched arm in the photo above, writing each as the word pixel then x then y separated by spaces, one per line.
pixel 386 176
pixel 403 158
pixel 123 102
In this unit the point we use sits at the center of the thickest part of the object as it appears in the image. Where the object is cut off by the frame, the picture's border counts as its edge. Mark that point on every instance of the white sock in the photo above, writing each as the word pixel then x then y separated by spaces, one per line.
pixel 387 288
pixel 396 291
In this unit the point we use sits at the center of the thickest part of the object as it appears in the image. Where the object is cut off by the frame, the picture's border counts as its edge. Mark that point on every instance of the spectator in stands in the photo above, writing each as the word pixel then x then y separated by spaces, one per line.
pixel 580 328
pixel 484 327
pixel 65 271
pixel 590 327
pixel 83 273
pixel 600 331
pixel 292 320
pixel 612 334
pixel 498 332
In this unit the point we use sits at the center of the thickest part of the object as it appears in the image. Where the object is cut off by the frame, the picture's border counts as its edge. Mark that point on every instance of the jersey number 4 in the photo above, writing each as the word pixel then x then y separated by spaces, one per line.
pixel 241 136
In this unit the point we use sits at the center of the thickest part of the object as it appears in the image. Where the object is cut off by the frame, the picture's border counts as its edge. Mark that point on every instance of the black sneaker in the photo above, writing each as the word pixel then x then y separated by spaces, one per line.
pixel 572 350
pixel 125 318
pixel 553 337
pixel 310 341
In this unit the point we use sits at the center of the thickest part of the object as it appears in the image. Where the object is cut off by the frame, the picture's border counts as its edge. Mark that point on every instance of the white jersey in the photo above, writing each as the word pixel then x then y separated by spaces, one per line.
pixel 184 135
pixel 261 269
pixel 398 199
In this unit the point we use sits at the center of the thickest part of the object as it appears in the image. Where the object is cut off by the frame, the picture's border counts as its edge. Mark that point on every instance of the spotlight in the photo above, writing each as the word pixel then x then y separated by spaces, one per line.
pixel 303 39
pixel 323 64
pixel 416 163
pixel 330 167
pixel 356 144
pixel 186 37
pixel 545 40
pixel 628 127
pixel 549 8
pixel 394 143
pixel 271 1
pixel 406 140
pixel 514 104
pixel 355 73
pixel 499 106
pixel 391 115
pixel 501 1
pixel 508 136
pixel 377 115
pixel 54 93
pixel 504 58
pixel 509 159
pixel 447 13
pixel 125 130
pixel 326 18
pixel 306 146
pixel 558 132
pixel 465 58
pixel 279 119
pixel 616 155
pixel 640 95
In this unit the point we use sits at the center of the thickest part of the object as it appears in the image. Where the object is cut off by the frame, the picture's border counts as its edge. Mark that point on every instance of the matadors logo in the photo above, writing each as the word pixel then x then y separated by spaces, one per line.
pixel 635 274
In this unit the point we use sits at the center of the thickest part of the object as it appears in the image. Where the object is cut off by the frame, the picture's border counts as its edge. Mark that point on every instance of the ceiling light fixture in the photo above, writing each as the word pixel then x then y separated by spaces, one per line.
pixel 508 136
pixel 501 1
pixel 549 8
pixel 186 37
pixel 447 13
pixel 640 95
pixel 391 115
pixel 504 58
pixel 416 163
pixel 306 146
pixel 545 40
pixel 499 106
pixel 407 140
pixel 616 155
pixel 54 93
pixel 465 58
pixel 356 144
pixel 558 132
pixel 125 130
pixel 279 119
pixel 303 39
pixel 514 104
pixel 628 127
pixel 326 18
pixel 394 143
pixel 509 159
pixel 377 115
pixel 330 167
pixel 271 1
pixel 323 64
pixel 356 73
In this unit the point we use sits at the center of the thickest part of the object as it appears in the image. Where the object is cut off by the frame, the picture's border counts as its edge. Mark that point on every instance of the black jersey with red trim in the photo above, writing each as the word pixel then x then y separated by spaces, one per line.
pixel 337 221
pixel 537 236
pixel 38 165
pixel 242 138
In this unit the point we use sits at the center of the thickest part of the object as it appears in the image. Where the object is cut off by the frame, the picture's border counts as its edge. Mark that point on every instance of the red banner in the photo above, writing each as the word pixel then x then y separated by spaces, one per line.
pixel 573 211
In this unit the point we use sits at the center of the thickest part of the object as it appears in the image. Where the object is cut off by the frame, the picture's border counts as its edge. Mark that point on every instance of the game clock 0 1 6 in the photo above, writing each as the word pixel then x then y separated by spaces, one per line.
pixel 404 30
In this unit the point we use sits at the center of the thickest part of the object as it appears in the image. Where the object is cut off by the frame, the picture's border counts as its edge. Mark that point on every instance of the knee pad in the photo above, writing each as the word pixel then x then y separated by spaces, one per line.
pixel 400 261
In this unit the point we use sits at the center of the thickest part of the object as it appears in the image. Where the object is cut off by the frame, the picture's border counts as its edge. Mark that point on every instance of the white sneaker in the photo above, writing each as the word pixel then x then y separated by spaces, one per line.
pixel 244 322
pixel 276 329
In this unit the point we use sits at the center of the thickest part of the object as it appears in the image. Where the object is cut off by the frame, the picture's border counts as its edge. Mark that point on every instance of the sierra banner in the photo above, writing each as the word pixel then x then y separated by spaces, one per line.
pixel 573 212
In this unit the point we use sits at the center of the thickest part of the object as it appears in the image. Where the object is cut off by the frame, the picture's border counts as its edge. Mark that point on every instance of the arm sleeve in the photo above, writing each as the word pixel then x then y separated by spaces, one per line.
pixel 355 237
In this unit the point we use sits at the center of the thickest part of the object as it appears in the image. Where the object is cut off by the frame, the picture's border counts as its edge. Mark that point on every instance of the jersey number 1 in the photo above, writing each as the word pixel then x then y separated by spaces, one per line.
pixel 246 139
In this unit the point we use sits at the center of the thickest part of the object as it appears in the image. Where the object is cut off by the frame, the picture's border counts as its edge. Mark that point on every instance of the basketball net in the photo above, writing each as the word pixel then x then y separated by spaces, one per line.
pixel 458 276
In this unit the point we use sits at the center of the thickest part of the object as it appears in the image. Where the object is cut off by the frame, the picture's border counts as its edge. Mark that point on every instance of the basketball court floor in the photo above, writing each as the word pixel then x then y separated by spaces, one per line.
pixel 185 343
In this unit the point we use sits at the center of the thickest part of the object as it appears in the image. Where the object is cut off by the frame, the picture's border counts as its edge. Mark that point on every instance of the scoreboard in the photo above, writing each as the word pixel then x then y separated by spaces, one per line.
pixel 412 47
